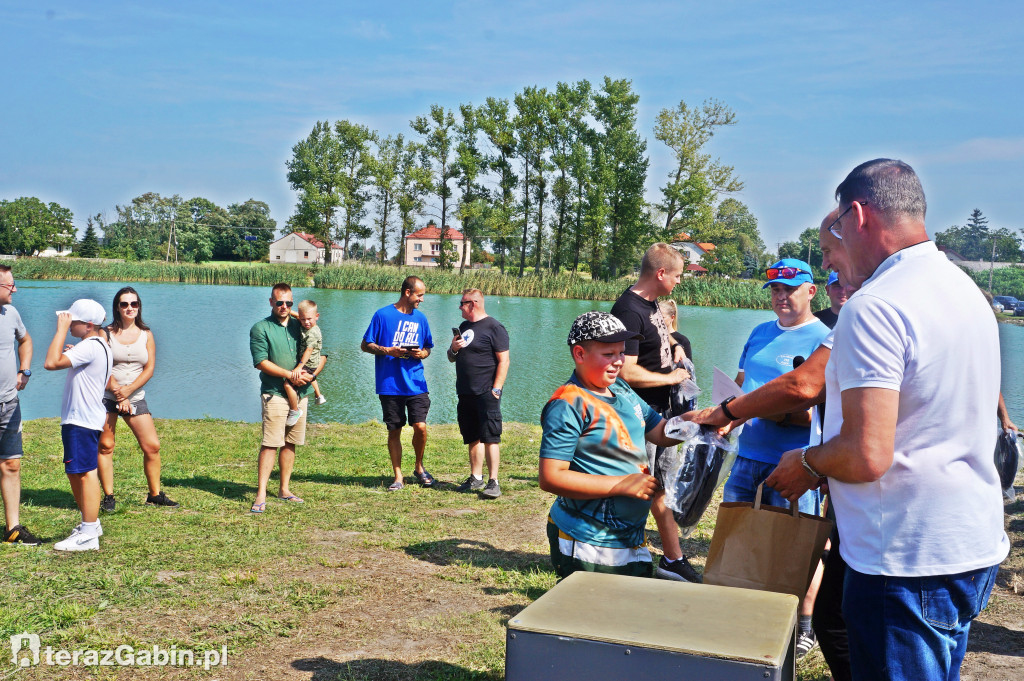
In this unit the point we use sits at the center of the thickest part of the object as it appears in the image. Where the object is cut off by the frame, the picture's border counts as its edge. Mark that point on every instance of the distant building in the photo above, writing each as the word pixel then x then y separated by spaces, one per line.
pixel 952 255
pixel 693 251
pixel 55 251
pixel 423 248
pixel 60 246
pixel 299 247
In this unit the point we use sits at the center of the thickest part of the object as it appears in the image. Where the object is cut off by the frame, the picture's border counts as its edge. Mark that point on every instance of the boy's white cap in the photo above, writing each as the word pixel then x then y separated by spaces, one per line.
pixel 86 310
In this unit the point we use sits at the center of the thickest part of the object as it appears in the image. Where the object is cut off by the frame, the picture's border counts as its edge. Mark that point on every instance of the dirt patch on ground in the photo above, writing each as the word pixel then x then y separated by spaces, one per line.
pixel 410 612
pixel 996 648
pixel 404 615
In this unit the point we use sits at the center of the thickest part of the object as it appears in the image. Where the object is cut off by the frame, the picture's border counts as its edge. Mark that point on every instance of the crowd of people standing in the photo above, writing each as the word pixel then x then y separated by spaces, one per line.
pixel 902 446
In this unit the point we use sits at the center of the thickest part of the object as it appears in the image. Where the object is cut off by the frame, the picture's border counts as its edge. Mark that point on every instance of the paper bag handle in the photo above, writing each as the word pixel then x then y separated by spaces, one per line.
pixel 794 508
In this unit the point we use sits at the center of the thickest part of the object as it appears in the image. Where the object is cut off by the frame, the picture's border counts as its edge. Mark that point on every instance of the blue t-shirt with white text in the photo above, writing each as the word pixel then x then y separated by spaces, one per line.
pixel 390 328
pixel 768 354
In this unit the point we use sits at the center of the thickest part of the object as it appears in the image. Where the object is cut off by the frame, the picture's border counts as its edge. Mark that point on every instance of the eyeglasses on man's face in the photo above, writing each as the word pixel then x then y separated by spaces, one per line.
pixel 836 226
pixel 279 303
pixel 9 287
pixel 466 302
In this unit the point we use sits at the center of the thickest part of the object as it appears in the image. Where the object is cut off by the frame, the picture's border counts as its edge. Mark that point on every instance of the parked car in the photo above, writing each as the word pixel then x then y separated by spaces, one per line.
pixel 1009 303
pixel 1018 311
pixel 996 307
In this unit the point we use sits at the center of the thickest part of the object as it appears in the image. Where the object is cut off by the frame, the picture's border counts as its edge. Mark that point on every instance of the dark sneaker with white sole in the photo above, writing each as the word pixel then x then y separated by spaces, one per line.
pixel 678 570
pixel 108 504
pixel 471 485
pixel 805 643
pixel 492 490
pixel 161 500
pixel 18 535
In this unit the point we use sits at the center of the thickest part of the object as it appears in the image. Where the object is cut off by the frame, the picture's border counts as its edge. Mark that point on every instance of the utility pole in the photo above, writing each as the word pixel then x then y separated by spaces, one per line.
pixel 992 265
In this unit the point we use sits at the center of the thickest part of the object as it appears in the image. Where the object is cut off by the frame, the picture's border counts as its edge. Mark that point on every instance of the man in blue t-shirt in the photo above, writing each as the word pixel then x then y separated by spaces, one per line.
pixel 769 353
pixel 399 337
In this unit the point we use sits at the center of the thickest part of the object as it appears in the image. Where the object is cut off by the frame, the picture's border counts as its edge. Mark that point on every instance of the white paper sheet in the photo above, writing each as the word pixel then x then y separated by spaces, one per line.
pixel 723 387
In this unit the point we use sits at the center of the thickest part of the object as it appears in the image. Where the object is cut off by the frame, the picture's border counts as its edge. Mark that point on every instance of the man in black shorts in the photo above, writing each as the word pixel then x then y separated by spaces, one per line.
pixel 399 338
pixel 480 353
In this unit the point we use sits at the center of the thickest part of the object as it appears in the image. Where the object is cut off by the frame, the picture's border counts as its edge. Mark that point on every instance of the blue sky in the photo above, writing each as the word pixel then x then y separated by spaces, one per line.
pixel 105 101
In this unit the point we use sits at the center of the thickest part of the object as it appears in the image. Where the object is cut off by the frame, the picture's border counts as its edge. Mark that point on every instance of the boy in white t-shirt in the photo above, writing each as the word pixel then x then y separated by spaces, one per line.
pixel 82 413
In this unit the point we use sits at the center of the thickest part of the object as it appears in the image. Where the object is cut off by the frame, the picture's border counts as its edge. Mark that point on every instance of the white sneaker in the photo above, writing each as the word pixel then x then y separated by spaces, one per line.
pixel 78 542
pixel 321 400
pixel 293 417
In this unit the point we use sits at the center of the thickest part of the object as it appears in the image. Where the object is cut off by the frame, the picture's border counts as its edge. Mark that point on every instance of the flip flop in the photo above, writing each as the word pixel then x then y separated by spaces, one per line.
pixel 292 498
pixel 258 508
pixel 425 478
pixel 395 486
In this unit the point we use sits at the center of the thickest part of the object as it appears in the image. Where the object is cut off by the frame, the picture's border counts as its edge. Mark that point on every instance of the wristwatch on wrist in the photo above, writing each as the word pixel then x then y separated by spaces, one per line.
pixel 27 372
pixel 496 391
pixel 725 408
pixel 807 466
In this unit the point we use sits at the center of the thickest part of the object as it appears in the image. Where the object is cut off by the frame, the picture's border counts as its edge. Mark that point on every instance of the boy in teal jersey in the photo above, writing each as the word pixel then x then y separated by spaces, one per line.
pixel 592 455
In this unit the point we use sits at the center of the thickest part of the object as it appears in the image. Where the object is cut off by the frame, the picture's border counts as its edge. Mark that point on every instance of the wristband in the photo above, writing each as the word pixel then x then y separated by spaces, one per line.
pixel 725 409
pixel 807 466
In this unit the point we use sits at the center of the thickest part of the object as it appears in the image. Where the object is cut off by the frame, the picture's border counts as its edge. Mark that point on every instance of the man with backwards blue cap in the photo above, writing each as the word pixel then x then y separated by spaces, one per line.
pixel 769 353
pixel 837 296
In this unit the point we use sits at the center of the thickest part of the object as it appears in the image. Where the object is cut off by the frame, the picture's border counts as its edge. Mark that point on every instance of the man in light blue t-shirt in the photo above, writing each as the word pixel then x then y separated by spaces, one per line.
pixel 769 353
pixel 399 338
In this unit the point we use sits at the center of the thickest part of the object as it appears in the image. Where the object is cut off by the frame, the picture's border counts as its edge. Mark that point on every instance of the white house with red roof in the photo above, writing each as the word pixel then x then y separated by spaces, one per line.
pixel 693 251
pixel 423 247
pixel 300 247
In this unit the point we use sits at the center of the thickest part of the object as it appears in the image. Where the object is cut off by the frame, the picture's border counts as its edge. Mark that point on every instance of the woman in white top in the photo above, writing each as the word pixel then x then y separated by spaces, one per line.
pixel 134 352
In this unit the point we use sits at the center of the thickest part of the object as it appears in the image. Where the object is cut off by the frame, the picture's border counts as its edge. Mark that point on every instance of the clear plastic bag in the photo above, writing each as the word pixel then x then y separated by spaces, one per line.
pixel 695 468
pixel 683 396
pixel 1009 457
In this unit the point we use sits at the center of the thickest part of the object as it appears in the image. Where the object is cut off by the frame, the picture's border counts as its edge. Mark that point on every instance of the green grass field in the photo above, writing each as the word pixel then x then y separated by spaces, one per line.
pixel 357 583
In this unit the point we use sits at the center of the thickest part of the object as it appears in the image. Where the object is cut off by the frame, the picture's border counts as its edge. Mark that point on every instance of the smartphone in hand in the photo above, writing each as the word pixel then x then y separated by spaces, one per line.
pixel 456 333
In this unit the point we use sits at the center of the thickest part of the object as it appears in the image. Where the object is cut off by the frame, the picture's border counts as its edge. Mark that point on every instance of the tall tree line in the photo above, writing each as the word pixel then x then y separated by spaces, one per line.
pixel 191 230
pixel 548 179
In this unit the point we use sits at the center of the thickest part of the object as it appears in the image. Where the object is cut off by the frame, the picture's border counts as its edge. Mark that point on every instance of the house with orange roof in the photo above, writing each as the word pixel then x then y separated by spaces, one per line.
pixel 693 251
pixel 423 247
pixel 300 247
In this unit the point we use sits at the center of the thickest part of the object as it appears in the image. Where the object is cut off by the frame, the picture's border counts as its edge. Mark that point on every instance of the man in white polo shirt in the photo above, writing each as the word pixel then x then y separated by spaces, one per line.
pixel 908 444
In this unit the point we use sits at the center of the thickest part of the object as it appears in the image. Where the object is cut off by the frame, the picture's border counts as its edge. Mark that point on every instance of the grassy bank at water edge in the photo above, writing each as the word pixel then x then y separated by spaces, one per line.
pixel 702 291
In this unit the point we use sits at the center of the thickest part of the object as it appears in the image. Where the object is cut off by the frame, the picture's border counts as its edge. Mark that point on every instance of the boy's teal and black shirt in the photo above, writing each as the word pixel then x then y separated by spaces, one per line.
pixel 599 436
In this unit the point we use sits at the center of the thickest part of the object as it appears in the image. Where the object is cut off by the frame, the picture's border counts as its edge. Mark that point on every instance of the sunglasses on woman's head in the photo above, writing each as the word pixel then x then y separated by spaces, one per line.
pixel 279 303
pixel 124 303
pixel 784 272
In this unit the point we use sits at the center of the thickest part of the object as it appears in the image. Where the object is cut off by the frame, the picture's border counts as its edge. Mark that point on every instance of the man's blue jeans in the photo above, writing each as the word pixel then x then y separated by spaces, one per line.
pixel 912 628
pixel 747 474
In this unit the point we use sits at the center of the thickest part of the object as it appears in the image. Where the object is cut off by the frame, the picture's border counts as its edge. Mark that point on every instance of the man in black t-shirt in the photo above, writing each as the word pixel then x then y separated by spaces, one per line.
pixel 480 353
pixel 650 369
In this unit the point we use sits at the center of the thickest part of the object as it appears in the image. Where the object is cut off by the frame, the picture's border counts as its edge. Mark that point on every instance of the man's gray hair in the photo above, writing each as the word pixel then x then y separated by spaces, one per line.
pixel 889 186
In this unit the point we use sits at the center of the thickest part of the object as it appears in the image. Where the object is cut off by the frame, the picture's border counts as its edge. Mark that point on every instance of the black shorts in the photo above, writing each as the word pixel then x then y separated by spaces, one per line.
pixel 480 418
pixel 140 407
pixel 395 407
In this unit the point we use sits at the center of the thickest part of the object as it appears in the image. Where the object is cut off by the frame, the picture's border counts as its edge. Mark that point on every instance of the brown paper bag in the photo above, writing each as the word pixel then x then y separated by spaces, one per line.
pixel 765 547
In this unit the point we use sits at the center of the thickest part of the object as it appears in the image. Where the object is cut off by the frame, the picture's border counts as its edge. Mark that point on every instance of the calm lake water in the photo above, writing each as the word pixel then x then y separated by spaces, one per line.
pixel 204 368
